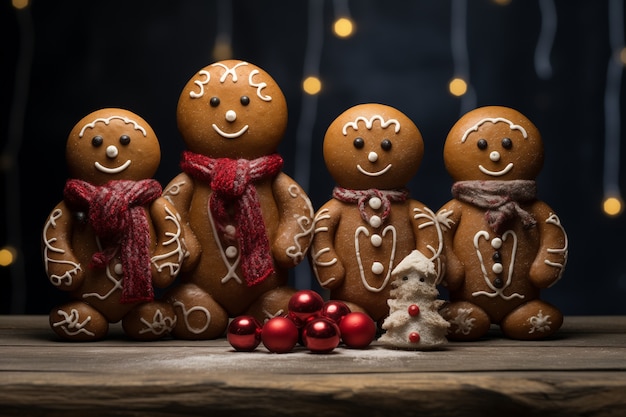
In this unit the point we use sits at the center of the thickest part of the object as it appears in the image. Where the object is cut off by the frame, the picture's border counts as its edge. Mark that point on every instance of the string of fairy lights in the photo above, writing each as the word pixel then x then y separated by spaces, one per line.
pixel 344 26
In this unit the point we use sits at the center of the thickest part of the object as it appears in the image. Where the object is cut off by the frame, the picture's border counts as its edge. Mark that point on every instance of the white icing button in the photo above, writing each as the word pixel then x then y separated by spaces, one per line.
pixel 497 268
pixel 376 240
pixel 375 203
pixel 375 221
pixel 231 252
pixel 118 269
pixel 496 243
pixel 230 230
pixel 377 268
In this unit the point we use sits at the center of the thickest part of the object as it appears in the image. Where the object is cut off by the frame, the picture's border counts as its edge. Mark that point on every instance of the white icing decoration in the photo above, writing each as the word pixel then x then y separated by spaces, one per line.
pixel 497 292
pixel 118 269
pixel 186 314
pixel 497 268
pixel 494 156
pixel 305 223
pixel 554 220
pixel 496 243
pixel 369 122
pixel 376 240
pixel 434 220
pixel 539 323
pixel 230 135
pixel 107 120
pixel 231 266
pixel 375 203
pixel 200 84
pixel 363 230
pixel 493 120
pixel 230 116
pixel 117 283
pixel 175 238
pixel 463 322
pixel 112 151
pixel 373 174
pixel 375 221
pixel 259 86
pixel 377 268
pixel 71 325
pixel 68 277
pixel 230 71
pixel 504 171
pixel 321 215
pixel 116 170
pixel 231 252
pixel 372 157
pixel 160 324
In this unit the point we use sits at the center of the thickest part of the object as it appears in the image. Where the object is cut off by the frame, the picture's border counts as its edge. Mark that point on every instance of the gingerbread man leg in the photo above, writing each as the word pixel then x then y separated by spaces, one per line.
pixel 467 321
pixel 79 322
pixel 150 321
pixel 198 315
pixel 271 304
pixel 533 320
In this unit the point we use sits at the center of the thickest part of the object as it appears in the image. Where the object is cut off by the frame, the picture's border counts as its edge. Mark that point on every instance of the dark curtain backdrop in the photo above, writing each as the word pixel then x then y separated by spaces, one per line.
pixel 139 54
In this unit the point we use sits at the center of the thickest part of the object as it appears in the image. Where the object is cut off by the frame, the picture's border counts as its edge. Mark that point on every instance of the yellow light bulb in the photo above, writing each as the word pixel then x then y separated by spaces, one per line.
pixel 343 27
pixel 312 85
pixel 612 206
pixel 457 87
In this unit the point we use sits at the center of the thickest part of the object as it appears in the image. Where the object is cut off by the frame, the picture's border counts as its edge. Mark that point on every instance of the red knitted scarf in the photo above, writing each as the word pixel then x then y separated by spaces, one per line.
pixel 232 182
pixel 500 199
pixel 117 216
pixel 362 197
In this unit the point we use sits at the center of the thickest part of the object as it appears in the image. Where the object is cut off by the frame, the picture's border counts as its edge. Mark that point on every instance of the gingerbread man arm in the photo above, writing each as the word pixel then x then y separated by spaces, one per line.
pixel 61 264
pixel 295 224
pixel 551 258
pixel 428 234
pixel 449 217
pixel 326 262
pixel 170 248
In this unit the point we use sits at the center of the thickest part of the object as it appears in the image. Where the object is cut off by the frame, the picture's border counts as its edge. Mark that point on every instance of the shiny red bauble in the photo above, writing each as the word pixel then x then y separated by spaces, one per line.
pixel 335 310
pixel 279 335
pixel 321 335
pixel 304 305
pixel 244 333
pixel 358 330
pixel 413 310
pixel 414 337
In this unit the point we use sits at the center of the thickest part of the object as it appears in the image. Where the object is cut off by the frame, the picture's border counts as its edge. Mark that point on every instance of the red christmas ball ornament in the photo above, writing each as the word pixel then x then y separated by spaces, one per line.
pixel 414 310
pixel 244 333
pixel 335 310
pixel 414 337
pixel 321 335
pixel 304 305
pixel 279 335
pixel 358 330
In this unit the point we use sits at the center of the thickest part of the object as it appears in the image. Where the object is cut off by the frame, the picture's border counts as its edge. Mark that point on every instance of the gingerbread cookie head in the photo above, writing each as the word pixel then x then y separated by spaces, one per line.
pixel 232 109
pixel 112 144
pixel 372 146
pixel 493 143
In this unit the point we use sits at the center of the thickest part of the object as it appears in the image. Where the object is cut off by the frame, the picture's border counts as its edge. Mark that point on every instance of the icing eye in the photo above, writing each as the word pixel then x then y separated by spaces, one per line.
pixel 97 141
pixel 422 279
pixel 245 100
pixel 385 144
pixel 507 143
pixel 124 139
pixel 482 144
pixel 405 278
pixel 359 143
pixel 215 101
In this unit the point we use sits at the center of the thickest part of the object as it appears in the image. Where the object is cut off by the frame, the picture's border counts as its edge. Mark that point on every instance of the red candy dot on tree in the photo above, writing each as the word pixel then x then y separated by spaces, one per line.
pixel 279 335
pixel 414 310
pixel 358 330
pixel 414 337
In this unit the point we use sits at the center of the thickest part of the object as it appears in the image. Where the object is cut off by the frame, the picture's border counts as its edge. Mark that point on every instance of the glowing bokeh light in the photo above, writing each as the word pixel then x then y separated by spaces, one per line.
pixel 343 27
pixel 7 256
pixel 20 4
pixel 312 85
pixel 457 87
pixel 613 206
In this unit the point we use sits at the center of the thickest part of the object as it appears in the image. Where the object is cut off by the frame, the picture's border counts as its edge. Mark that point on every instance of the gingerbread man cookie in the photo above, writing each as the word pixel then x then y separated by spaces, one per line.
pixel 371 223
pixel 503 245
pixel 253 222
pixel 113 237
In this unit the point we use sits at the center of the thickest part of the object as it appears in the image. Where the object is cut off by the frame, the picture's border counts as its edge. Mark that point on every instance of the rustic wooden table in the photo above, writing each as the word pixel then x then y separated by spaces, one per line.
pixel 582 372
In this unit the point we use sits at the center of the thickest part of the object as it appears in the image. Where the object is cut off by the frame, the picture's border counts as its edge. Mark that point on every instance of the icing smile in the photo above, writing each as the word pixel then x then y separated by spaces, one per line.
pixel 373 174
pixel 506 170
pixel 117 170
pixel 230 135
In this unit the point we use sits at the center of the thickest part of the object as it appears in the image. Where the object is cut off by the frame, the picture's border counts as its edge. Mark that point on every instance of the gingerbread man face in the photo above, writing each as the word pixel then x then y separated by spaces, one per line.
pixel 373 146
pixel 493 143
pixel 112 144
pixel 232 109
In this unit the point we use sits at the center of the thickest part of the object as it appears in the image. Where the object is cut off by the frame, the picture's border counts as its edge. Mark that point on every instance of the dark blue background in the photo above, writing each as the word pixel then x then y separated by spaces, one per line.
pixel 138 55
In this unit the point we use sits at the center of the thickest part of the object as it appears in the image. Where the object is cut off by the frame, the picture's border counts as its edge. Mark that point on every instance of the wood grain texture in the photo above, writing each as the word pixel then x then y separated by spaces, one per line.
pixel 581 371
